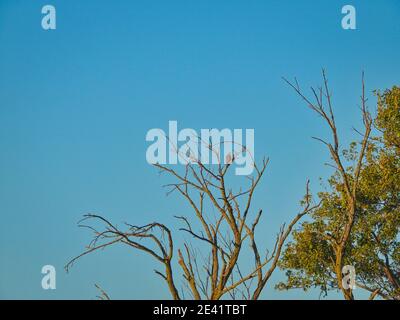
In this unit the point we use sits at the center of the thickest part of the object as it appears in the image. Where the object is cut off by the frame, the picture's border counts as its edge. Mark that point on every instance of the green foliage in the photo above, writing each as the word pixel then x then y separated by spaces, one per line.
pixel 373 248
pixel 388 119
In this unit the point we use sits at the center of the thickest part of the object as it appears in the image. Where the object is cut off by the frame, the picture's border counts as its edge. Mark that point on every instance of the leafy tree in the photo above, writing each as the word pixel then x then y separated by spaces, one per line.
pixel 358 221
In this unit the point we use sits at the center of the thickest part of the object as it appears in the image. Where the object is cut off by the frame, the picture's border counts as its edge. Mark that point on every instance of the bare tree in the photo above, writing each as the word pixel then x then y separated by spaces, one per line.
pixel 321 103
pixel 102 294
pixel 221 223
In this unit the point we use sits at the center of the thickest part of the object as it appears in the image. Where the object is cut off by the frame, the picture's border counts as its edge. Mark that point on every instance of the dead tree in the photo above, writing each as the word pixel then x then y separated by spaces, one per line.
pixel 212 269
pixel 321 103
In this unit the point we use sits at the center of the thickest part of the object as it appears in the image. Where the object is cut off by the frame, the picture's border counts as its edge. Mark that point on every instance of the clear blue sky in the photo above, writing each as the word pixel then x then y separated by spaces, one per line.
pixel 76 103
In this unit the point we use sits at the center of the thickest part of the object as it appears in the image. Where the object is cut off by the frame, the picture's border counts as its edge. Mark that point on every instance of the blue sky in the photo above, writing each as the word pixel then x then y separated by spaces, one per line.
pixel 77 102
